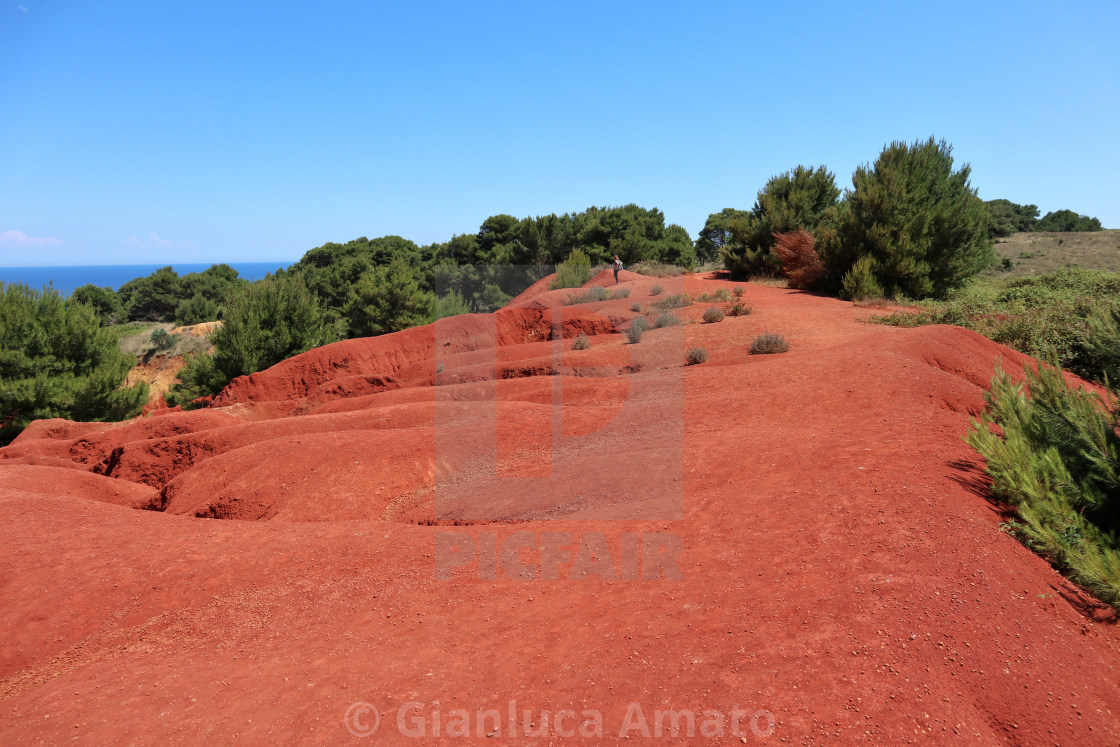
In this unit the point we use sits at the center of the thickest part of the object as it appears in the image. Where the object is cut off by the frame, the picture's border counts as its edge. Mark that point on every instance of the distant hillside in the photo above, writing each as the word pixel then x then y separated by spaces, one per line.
pixel 1037 253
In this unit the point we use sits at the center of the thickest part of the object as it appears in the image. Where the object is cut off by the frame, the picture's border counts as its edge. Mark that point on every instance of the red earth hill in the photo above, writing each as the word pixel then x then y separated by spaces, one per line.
pixel 360 524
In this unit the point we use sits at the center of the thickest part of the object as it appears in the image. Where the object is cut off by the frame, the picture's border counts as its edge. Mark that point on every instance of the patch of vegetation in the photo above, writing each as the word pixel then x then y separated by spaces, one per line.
pixel 675 301
pixel 636 307
pixel 582 342
pixel 720 294
pixel 656 290
pixel 657 269
pixel 800 198
pixel 769 343
pixel 738 308
pixel 712 314
pixel 58 361
pixel 619 293
pixel 637 327
pixel 859 283
pixel 266 323
pixel 161 339
pixel 592 294
pixel 773 281
pixel 573 272
pixel 666 319
pixel 738 291
pixel 1047 316
pixel 1056 459
pixel 696 356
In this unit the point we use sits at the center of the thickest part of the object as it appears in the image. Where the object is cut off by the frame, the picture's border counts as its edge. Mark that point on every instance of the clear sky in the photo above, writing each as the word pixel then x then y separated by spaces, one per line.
pixel 149 131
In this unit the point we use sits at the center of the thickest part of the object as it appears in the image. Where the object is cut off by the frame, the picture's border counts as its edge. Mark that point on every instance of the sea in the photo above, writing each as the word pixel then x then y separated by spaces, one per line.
pixel 65 279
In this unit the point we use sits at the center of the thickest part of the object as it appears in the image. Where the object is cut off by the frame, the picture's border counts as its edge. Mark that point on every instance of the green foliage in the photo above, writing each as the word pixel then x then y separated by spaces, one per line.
pixel 451 304
pixel 265 323
pixel 197 309
pixel 159 296
pixel 152 298
pixel 1008 217
pixel 56 360
pixel 1056 459
pixel 769 343
pixel 591 295
pixel 666 319
pixel 719 294
pixel 1048 316
pixel 199 378
pixel 637 327
pixel 920 220
pixel 738 308
pixel 1067 220
pixel 716 233
pixel 161 339
pixel 675 301
pixel 696 356
pixel 801 198
pixel 713 314
pixel 1103 342
pixel 738 291
pixel 657 269
pixel 106 302
pixel 582 342
pixel 387 299
pixel 636 307
pixel 859 283
pixel 573 272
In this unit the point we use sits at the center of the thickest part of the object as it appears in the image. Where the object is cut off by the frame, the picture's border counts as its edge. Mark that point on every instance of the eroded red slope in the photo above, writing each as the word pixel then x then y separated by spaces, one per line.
pixel 842 570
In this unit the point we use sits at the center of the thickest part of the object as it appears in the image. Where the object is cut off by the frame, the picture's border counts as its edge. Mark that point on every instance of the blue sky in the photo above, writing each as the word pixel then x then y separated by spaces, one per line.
pixel 242 131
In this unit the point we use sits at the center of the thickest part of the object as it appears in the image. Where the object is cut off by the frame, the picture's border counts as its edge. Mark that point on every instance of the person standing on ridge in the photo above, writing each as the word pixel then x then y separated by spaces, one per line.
pixel 617 267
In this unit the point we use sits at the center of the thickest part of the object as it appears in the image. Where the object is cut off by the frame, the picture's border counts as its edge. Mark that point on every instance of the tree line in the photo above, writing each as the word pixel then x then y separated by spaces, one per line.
pixel 910 225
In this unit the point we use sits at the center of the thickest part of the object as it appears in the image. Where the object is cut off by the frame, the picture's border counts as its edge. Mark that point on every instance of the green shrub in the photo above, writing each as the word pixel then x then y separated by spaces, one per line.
pixel 266 322
pixel 637 326
pixel 1046 316
pixel 105 301
pixel 738 291
pixel 582 342
pixel 1104 343
pixel 666 319
pixel 636 307
pixel 657 269
pixel 920 220
pixel 695 356
pixel 656 290
pixel 384 299
pixel 57 361
pixel 573 272
pixel 1056 459
pixel 859 283
pixel 720 294
pixel 768 343
pixel 801 198
pixel 450 304
pixel 197 379
pixel 737 308
pixel 675 301
pixel 713 314
pixel 161 339
pixel 592 294
pixel 620 293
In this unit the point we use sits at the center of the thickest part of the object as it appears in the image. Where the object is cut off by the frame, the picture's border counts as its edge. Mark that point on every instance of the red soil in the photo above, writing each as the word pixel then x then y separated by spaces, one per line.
pixel 841 566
